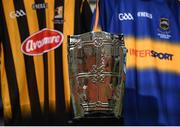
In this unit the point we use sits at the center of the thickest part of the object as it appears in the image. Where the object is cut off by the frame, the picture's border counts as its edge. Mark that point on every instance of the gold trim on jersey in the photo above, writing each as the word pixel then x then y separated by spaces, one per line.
pixel 4 88
pixel 69 6
pixel 81 7
pixel 38 60
pixel 96 27
pixel 51 58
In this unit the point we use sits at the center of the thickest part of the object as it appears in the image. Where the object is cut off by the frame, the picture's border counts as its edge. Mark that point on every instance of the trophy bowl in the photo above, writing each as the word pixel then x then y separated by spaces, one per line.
pixel 97 74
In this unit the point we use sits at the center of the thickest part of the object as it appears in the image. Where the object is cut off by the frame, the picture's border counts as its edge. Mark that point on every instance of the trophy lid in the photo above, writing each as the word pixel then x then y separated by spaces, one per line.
pixel 100 35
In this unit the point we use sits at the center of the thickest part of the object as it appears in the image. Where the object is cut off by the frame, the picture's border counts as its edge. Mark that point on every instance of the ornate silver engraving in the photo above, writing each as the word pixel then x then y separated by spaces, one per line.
pixel 98 43
pixel 96 73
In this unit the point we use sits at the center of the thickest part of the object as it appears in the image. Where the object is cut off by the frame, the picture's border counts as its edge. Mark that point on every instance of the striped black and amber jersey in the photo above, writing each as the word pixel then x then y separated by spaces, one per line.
pixel 34 67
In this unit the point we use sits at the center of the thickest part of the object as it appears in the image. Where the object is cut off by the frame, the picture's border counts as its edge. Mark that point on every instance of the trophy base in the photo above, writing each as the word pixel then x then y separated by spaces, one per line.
pixel 92 121
pixel 99 114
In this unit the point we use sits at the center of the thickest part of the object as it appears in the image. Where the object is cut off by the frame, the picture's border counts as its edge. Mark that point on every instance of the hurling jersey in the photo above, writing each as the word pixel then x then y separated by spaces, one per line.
pixel 34 67
pixel 152 37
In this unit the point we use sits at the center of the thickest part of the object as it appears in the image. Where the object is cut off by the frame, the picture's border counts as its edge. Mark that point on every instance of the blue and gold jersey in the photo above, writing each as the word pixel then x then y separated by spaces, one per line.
pixel 152 37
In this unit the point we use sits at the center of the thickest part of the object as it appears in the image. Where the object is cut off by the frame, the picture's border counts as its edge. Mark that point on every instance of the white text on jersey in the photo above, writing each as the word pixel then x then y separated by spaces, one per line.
pixel 17 13
pixel 125 16
pixel 145 15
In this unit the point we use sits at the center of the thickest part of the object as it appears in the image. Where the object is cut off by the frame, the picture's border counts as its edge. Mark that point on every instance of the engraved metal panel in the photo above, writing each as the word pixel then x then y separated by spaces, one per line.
pixel 97 74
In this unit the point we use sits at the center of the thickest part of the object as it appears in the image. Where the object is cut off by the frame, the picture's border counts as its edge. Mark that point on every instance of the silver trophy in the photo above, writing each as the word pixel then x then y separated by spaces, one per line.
pixel 97 74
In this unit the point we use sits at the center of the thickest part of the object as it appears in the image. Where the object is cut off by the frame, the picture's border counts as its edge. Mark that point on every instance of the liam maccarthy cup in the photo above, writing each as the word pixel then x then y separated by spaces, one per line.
pixel 97 67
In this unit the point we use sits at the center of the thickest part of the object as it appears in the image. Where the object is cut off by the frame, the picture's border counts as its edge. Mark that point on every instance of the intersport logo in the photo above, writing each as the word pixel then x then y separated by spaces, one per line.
pixel 42 42
pixel 125 16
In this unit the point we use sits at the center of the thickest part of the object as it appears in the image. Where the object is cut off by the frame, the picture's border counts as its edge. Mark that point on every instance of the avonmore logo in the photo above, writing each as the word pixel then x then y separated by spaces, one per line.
pixel 151 53
pixel 125 16
pixel 42 42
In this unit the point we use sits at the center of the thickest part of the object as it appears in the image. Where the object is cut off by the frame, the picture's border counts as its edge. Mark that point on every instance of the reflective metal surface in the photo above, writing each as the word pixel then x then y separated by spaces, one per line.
pixel 97 74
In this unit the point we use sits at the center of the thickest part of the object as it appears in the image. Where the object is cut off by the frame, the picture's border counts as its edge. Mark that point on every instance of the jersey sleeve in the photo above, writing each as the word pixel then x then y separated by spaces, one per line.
pixel 83 15
pixel 86 15
pixel 103 14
